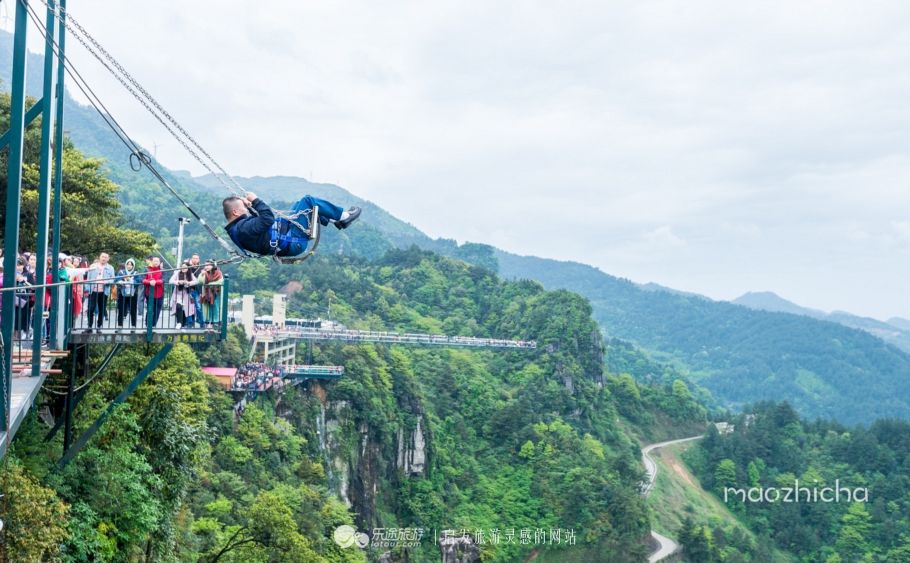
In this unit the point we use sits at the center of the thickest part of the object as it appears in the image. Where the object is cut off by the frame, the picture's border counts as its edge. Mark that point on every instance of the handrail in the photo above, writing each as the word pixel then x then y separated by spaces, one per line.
pixel 306 333
pixel 174 312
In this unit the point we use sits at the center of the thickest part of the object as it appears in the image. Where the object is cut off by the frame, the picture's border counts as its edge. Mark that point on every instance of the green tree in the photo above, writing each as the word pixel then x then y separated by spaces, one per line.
pixel 901 553
pixel 122 496
pixel 272 525
pixel 697 542
pixel 91 221
pixel 852 541
pixel 725 474
pixel 754 471
pixel 34 518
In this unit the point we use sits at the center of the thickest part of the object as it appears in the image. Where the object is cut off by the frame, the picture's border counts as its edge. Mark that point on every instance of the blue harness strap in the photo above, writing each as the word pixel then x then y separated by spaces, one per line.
pixel 280 241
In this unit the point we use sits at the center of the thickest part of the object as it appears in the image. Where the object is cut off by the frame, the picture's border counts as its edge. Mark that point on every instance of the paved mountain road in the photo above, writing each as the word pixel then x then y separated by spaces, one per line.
pixel 666 546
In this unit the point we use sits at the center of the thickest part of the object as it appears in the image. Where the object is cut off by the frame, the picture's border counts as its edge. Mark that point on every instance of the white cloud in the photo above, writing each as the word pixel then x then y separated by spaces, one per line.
pixel 664 237
pixel 901 232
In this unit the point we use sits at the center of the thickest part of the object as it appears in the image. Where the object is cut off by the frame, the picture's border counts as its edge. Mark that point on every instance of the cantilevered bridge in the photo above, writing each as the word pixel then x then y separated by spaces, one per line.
pixel 275 337
pixel 278 345
pixel 382 337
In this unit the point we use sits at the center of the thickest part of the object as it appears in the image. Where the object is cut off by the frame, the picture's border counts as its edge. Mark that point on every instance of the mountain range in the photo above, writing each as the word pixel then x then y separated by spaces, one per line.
pixel 758 348
pixel 896 330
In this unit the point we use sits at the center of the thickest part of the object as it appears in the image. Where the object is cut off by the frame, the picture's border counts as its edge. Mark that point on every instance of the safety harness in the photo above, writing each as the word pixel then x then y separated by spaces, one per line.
pixel 280 240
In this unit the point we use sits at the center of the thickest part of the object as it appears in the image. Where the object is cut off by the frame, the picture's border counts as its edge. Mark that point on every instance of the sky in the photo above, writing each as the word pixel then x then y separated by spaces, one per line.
pixel 708 146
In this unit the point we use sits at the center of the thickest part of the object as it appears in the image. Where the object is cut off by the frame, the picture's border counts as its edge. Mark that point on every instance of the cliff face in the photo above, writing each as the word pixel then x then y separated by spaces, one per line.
pixel 468 439
pixel 367 468
pixel 357 460
pixel 458 548
pixel 412 450
pixel 333 416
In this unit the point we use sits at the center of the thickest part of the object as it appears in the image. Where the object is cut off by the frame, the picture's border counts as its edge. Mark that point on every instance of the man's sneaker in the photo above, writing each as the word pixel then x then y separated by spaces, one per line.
pixel 353 214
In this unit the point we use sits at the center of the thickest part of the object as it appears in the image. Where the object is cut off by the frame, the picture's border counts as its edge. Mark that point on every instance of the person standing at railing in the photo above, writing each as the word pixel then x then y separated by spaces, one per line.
pixel 31 268
pixel 64 266
pixel 77 275
pixel 76 271
pixel 140 279
pixel 21 301
pixel 182 298
pixel 211 281
pixel 64 263
pixel 196 268
pixel 154 288
pixel 99 290
pixel 128 286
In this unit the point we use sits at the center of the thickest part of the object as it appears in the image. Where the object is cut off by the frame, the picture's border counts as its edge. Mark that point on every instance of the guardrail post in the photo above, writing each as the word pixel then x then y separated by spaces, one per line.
pixel 41 315
pixel 13 199
pixel 224 307
pixel 58 164
pixel 63 302
pixel 149 313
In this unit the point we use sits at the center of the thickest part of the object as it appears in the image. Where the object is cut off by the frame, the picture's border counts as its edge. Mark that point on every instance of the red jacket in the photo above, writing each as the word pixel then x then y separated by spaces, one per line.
pixel 154 273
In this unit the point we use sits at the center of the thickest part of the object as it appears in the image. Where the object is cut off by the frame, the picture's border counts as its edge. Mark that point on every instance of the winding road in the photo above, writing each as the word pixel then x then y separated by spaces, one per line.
pixel 666 546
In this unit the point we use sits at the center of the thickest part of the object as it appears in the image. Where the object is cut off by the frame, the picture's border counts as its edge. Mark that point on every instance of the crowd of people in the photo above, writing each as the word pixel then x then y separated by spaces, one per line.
pixel 102 294
pixel 256 377
pixel 270 330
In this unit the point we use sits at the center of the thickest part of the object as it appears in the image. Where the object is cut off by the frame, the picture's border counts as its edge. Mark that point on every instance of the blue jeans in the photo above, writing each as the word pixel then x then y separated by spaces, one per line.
pixel 155 305
pixel 198 316
pixel 97 301
pixel 327 211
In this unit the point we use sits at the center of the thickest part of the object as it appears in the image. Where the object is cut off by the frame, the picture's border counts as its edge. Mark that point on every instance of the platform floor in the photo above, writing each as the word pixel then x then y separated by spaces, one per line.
pixel 22 396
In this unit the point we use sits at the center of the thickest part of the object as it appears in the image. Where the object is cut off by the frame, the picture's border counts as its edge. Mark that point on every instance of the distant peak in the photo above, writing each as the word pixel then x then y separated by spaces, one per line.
pixel 770 301
pixel 763 294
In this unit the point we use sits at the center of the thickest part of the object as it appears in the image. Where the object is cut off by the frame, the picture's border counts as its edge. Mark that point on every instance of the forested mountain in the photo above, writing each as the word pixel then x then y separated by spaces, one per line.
pixel 417 438
pixel 742 355
pixel 772 449
pixel 430 439
pixel 433 439
pixel 892 331
pixel 770 301
pixel 498 425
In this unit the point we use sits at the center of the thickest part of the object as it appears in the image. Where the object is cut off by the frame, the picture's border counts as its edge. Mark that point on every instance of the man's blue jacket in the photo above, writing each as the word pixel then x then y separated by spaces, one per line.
pixel 252 232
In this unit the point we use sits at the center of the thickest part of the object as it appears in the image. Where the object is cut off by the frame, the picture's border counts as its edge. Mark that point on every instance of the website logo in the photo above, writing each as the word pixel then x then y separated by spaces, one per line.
pixel 348 536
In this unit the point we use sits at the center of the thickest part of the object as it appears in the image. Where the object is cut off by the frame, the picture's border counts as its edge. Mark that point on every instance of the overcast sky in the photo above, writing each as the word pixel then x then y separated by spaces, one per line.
pixel 716 147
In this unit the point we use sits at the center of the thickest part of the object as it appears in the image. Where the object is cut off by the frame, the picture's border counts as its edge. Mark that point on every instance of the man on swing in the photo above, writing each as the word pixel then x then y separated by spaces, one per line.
pixel 257 232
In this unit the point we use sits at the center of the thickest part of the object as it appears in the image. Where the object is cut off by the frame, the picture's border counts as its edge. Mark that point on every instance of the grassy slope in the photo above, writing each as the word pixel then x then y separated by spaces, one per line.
pixel 677 494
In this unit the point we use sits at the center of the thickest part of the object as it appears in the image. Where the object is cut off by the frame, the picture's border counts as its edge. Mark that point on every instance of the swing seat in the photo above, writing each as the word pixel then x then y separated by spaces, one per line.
pixel 310 241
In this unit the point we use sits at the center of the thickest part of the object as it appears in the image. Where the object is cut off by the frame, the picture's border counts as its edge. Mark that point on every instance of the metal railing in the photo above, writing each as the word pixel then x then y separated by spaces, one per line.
pixel 345 335
pixel 315 372
pixel 24 311
pixel 132 310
